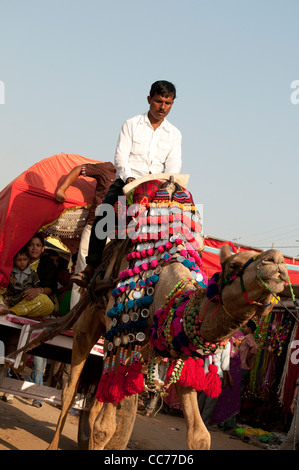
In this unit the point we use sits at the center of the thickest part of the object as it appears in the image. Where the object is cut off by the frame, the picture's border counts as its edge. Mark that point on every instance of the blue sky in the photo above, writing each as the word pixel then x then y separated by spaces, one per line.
pixel 74 70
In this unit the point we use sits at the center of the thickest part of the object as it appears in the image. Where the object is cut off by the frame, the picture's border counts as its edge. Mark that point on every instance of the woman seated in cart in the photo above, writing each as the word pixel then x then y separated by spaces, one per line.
pixel 36 301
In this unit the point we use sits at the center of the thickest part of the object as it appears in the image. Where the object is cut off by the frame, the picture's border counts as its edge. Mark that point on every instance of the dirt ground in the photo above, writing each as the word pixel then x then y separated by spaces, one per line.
pixel 24 427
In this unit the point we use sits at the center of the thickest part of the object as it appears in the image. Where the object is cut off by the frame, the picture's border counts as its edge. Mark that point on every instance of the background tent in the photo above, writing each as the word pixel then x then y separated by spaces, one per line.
pixel 211 257
pixel 28 203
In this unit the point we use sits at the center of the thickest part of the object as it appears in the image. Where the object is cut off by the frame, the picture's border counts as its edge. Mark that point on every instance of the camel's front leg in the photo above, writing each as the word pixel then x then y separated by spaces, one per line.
pixel 104 426
pixel 198 437
pixel 87 331
pixel 68 396
pixel 93 414
pixel 112 426
pixel 125 419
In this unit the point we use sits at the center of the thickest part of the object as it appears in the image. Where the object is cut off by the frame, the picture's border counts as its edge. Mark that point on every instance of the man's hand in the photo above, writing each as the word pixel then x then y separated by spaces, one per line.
pixel 60 196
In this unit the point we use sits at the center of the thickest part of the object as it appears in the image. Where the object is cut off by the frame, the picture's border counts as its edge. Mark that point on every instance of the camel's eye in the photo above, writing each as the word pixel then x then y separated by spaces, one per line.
pixel 235 267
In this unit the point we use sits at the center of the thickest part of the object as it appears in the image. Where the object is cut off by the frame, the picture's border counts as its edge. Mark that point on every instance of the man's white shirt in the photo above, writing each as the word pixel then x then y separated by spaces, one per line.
pixel 221 360
pixel 141 150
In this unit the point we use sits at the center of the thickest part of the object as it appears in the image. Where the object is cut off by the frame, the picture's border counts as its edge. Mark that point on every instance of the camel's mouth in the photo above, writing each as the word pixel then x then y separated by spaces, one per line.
pixel 273 272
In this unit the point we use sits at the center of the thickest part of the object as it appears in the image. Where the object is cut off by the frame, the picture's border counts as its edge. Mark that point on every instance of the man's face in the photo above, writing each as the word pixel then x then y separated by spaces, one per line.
pixel 159 106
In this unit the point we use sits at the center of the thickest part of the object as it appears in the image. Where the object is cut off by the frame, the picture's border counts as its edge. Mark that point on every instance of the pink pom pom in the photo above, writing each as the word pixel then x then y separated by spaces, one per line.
pixel 117 386
pixel 134 379
pixel 196 245
pixel 200 375
pixel 150 251
pixel 161 248
pixel 212 368
pixel 213 382
pixel 102 393
pixel 187 377
pixel 154 263
pixel 136 270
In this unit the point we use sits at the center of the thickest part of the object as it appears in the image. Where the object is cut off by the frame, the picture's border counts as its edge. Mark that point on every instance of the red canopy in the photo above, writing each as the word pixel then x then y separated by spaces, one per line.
pixel 211 258
pixel 28 203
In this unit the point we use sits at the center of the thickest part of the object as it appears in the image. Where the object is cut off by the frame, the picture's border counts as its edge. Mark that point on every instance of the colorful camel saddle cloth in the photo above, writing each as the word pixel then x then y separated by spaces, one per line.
pixel 155 190
pixel 166 231
pixel 156 214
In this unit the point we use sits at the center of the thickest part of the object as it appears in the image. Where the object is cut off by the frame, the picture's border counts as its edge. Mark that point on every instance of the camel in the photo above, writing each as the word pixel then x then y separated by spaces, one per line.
pixel 246 287
pixel 111 428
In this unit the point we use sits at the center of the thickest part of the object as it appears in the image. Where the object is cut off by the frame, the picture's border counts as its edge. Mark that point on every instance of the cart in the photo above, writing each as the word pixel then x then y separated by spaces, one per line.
pixel 57 349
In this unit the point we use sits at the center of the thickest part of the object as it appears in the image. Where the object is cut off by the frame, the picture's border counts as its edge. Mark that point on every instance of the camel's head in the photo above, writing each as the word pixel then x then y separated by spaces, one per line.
pixel 253 274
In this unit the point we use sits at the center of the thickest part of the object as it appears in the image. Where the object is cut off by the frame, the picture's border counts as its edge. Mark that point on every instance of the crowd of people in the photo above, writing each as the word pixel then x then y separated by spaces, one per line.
pixel 38 284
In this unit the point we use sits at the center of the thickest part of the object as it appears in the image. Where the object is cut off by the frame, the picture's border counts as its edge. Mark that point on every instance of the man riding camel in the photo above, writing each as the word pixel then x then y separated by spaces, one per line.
pixel 147 144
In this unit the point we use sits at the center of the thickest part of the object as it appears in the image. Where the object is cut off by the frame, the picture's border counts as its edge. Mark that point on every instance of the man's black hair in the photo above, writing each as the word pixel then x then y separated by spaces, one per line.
pixel 164 88
pixel 251 325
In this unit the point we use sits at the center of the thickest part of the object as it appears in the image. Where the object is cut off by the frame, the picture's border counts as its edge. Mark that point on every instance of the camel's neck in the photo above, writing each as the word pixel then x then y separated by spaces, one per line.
pixel 218 324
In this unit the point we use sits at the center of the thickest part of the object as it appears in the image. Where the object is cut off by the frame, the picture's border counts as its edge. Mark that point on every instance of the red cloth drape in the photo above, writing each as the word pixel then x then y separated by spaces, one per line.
pixel 28 203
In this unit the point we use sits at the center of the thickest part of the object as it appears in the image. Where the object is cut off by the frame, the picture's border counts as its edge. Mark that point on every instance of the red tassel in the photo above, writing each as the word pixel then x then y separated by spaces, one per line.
pixel 102 394
pixel 134 379
pixel 187 377
pixel 101 387
pixel 213 382
pixel 200 375
pixel 117 387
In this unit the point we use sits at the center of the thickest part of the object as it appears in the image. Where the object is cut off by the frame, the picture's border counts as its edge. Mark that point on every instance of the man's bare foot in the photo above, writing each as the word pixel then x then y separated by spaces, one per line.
pixel 81 279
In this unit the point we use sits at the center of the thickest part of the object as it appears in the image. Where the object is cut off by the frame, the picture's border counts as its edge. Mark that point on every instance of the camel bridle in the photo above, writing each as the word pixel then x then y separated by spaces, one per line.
pixel 229 279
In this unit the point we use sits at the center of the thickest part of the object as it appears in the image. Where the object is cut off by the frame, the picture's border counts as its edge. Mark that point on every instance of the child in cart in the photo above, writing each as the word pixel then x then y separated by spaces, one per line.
pixel 21 278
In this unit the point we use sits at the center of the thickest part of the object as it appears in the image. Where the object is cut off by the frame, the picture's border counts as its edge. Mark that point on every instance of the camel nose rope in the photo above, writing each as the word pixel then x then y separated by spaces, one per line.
pixel 278 298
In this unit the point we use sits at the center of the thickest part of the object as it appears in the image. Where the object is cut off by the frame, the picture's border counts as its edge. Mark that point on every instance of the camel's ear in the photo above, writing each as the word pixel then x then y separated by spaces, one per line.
pixel 225 253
